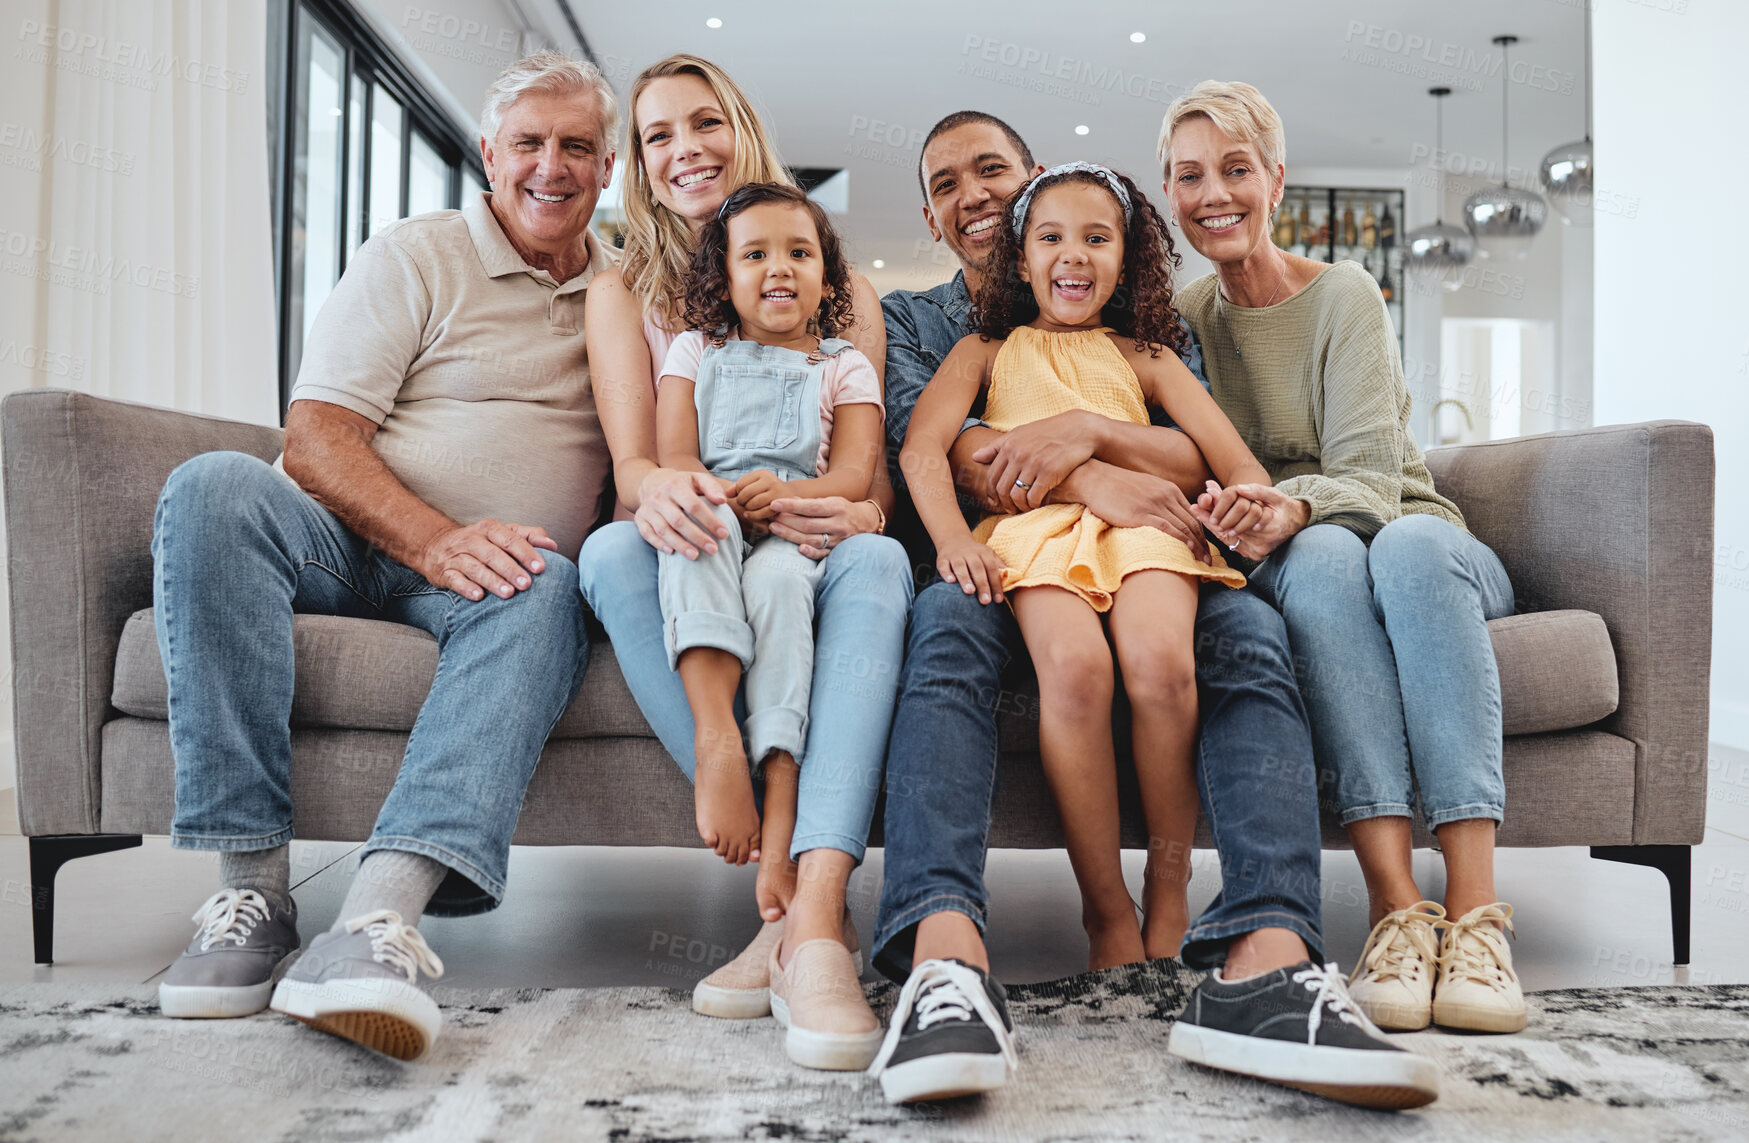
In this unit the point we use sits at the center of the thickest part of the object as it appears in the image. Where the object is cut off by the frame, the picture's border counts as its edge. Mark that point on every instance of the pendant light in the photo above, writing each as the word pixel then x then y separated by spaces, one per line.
pixel 1439 252
pixel 1505 219
pixel 1566 170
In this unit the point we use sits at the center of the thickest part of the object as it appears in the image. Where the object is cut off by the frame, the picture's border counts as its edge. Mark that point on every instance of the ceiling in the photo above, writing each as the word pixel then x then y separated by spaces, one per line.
pixel 858 87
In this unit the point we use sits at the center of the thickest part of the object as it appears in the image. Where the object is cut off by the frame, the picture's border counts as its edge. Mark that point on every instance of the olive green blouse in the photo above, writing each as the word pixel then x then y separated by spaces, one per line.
pixel 1315 387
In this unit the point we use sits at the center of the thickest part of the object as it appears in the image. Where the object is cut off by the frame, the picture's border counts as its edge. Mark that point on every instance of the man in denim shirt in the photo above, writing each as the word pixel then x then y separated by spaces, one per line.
pixel 1270 1011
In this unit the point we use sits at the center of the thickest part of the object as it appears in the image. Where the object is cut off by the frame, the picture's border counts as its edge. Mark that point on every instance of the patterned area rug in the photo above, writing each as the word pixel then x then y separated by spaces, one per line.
pixel 98 1062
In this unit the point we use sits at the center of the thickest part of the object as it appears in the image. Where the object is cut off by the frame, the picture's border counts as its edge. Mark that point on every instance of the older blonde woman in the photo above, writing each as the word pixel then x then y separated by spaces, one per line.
pixel 1385 593
pixel 692 139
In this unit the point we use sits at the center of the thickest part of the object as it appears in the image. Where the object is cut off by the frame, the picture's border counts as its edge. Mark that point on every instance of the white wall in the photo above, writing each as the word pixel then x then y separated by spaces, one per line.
pixel 1672 308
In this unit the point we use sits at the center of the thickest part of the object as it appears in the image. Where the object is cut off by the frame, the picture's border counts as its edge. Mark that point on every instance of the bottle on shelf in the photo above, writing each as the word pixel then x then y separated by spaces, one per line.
pixel 1349 235
pixel 1387 287
pixel 1284 227
pixel 1304 226
pixel 1369 228
pixel 1387 229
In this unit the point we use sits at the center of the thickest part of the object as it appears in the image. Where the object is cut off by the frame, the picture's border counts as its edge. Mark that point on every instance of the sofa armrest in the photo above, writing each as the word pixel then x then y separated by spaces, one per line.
pixel 1617 520
pixel 82 481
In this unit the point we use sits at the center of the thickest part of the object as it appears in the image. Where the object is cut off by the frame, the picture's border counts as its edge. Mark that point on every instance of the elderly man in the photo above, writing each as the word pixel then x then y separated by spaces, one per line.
pixel 442 464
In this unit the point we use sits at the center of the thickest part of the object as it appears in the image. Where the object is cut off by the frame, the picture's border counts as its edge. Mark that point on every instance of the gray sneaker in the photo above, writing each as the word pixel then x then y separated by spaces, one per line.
pixel 362 984
pixel 227 969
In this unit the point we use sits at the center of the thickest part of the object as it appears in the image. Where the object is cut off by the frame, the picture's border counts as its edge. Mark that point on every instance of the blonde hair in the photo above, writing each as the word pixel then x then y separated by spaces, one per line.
pixel 550 73
pixel 658 249
pixel 1241 113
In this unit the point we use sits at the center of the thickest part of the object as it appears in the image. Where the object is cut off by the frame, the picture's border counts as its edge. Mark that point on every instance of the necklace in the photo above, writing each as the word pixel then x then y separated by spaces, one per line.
pixel 1220 296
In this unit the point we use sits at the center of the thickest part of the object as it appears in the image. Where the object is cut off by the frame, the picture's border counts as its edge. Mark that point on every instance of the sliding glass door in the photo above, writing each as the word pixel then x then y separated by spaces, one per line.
pixel 363 147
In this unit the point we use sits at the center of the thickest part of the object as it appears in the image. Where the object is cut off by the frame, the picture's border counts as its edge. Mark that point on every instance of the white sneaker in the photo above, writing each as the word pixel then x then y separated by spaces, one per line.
pixel 1393 981
pixel 1478 991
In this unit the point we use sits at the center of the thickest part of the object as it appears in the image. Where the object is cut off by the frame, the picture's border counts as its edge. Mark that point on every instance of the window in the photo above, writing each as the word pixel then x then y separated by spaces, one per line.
pixel 1497 379
pixel 359 144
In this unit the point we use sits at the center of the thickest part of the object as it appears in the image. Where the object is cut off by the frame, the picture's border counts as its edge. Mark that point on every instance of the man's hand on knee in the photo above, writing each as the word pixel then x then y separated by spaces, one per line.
pixel 489 555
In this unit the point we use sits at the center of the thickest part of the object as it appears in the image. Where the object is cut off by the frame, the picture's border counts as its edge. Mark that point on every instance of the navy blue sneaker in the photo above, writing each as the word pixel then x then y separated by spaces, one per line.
pixel 1298 1026
pixel 950 1035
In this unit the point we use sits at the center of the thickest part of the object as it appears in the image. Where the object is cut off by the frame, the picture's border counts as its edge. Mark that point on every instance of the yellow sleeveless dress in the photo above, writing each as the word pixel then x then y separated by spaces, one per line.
pixel 1040 374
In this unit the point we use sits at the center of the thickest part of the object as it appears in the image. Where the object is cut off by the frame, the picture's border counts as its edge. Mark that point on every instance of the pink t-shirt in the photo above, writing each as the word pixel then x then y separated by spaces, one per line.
pixel 849 379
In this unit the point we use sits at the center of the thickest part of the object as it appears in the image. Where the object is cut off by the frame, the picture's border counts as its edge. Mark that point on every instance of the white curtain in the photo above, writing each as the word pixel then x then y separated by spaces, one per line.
pixel 151 239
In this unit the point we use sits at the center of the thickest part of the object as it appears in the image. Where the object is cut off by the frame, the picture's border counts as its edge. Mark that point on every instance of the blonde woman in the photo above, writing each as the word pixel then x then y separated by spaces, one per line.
pixel 1386 594
pixel 692 138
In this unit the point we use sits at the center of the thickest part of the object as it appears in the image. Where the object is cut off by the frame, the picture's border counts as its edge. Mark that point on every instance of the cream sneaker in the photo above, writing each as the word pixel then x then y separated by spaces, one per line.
pixel 1478 991
pixel 1393 980
pixel 818 1000
pixel 739 990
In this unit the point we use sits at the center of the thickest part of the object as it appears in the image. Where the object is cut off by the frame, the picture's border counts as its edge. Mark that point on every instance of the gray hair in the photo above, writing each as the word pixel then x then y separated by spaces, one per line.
pixel 551 73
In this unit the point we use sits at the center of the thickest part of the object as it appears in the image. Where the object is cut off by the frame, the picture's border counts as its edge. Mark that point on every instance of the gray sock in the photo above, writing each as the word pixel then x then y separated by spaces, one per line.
pixel 391 879
pixel 267 871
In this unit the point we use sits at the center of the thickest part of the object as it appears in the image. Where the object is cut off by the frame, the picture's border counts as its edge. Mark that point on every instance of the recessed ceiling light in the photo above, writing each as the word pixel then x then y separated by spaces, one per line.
pixel 1082 129
pixel 1138 37
pixel 879 265
pixel 713 22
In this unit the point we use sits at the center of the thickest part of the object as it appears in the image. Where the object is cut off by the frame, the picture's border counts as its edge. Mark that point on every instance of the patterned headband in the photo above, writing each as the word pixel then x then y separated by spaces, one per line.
pixel 1025 201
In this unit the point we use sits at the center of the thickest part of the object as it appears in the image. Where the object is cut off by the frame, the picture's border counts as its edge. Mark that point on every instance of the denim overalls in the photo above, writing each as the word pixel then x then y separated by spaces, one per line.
pixel 758 407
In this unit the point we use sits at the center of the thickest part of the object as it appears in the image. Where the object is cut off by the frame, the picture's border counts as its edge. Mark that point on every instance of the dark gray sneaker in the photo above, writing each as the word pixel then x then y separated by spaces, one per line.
pixel 1298 1026
pixel 362 983
pixel 950 1035
pixel 227 969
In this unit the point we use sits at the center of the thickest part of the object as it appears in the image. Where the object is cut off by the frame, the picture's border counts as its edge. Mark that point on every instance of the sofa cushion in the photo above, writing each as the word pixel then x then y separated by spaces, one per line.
pixel 1557 672
pixel 364 674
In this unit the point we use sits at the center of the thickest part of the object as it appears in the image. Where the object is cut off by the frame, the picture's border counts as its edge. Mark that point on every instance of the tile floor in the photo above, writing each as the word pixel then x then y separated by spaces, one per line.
pixel 582 917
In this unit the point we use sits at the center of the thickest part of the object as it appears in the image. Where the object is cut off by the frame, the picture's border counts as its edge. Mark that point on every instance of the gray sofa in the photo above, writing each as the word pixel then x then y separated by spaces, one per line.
pixel 1607 534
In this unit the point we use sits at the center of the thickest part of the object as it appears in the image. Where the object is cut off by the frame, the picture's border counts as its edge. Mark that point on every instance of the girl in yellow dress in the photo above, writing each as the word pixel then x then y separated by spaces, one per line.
pixel 1077 315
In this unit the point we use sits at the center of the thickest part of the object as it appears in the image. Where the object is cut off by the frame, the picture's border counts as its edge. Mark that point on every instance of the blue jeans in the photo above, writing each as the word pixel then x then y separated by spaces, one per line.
pixel 1253 766
pixel 238 548
pixel 863 598
pixel 755 601
pixel 1395 664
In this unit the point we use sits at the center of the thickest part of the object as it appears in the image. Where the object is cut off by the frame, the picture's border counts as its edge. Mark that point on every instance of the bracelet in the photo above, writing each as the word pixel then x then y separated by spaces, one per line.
pixel 880 518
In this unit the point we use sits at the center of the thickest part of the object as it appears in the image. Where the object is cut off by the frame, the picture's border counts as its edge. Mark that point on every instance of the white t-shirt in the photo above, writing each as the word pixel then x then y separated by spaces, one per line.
pixel 849 379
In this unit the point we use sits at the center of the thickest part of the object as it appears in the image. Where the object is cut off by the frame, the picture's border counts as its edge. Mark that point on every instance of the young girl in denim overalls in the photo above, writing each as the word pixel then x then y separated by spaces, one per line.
pixel 772 406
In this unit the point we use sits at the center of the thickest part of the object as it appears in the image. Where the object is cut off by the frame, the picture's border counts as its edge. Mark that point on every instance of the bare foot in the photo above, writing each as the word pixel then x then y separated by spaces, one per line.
pixel 1166 910
pixel 1113 941
pixel 776 885
pixel 722 795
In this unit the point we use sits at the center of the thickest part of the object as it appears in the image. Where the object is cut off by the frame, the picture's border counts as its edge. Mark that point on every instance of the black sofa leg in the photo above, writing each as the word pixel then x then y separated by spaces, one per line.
pixel 1675 862
pixel 47 855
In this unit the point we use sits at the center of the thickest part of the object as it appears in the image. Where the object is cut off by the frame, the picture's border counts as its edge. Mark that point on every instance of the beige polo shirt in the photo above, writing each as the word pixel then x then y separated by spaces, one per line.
pixel 472 364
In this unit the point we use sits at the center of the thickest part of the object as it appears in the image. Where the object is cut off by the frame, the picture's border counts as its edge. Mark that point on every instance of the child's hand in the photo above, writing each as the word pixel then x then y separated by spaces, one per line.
pixel 1252 519
pixel 755 492
pixel 973 566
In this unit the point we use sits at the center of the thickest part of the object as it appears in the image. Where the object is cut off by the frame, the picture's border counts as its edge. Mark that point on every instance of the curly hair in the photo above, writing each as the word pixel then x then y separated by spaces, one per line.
pixel 1141 308
pixel 708 306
